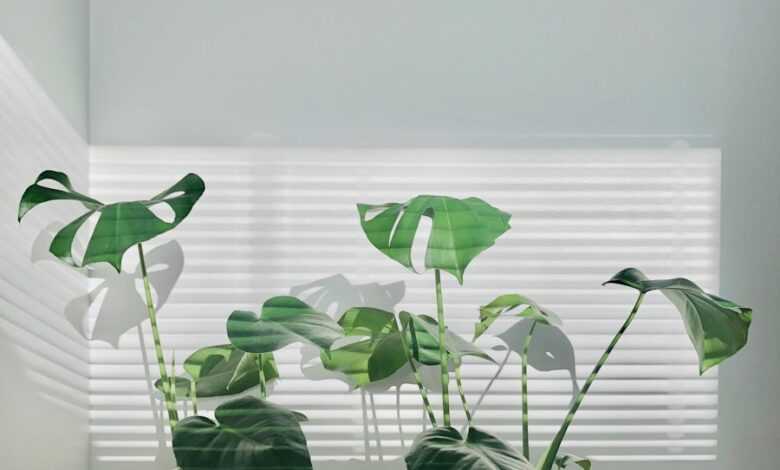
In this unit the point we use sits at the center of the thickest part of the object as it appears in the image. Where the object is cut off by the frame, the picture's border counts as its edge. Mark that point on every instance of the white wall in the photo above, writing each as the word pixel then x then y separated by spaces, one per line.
pixel 51 38
pixel 44 402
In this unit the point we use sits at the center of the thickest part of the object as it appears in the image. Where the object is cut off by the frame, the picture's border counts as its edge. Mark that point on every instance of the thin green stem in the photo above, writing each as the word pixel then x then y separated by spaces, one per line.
pixel 417 378
pixel 552 451
pixel 459 382
pixel 263 384
pixel 170 405
pixel 443 357
pixel 194 395
pixel 524 379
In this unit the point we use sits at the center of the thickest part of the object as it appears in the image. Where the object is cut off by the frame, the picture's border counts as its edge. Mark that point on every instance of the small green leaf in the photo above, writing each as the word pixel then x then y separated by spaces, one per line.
pixel 566 460
pixel 249 434
pixel 506 303
pixel 462 229
pixel 717 327
pixel 284 320
pixel 120 225
pixel 224 370
pixel 351 360
pixel 443 448
pixel 182 387
pixel 366 321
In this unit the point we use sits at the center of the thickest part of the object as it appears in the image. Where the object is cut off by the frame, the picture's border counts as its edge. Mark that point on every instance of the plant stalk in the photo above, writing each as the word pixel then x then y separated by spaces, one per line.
pixel 552 451
pixel 524 379
pixel 443 357
pixel 417 378
pixel 459 382
pixel 173 415
pixel 263 384
pixel 194 395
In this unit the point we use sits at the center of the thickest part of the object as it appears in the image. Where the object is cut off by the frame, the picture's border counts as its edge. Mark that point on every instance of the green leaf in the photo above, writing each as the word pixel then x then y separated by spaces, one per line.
pixel 366 321
pixel 182 387
pixel 422 337
pixel 120 225
pixel 462 229
pixel 351 360
pixel 443 448
pixel 506 303
pixel 284 320
pixel 717 327
pixel 566 460
pixel 249 434
pixel 224 370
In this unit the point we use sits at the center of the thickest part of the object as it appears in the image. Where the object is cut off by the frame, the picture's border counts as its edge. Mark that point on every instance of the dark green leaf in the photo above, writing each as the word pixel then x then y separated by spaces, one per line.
pixel 443 448
pixel 462 229
pixel 249 434
pixel 224 370
pixel 120 225
pixel 567 460
pixel 506 303
pixel 717 327
pixel 283 320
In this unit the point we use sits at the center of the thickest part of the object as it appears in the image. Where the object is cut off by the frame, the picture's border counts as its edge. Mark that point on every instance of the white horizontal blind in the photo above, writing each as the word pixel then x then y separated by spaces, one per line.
pixel 272 220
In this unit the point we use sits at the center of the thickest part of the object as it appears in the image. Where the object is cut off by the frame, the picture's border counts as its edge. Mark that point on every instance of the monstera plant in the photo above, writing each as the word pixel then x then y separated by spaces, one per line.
pixel 366 345
pixel 119 227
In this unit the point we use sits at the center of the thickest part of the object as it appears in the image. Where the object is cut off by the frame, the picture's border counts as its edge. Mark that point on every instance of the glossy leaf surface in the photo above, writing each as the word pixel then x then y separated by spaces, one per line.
pixel 283 320
pixel 444 448
pixel 506 303
pixel 250 434
pixel 461 230
pixel 224 370
pixel 717 327
pixel 119 226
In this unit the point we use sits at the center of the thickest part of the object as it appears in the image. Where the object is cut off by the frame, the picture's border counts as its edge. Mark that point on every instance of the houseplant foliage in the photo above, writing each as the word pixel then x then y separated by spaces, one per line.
pixel 119 227
pixel 367 345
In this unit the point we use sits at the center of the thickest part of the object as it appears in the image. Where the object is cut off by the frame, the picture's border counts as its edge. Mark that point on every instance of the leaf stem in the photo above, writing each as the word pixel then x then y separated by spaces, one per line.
pixel 194 395
pixel 524 380
pixel 417 377
pixel 443 358
pixel 173 415
pixel 552 451
pixel 459 382
pixel 261 373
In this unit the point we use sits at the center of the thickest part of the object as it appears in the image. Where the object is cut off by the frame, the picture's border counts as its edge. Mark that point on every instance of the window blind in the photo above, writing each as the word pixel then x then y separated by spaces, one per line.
pixel 283 220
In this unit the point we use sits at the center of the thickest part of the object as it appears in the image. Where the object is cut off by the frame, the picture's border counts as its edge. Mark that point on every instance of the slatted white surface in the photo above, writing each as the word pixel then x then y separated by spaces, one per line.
pixel 43 359
pixel 272 219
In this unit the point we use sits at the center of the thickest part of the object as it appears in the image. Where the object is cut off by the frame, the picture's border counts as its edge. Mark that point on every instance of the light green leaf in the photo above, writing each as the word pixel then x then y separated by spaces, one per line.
pixel 717 327
pixel 249 434
pixel 443 448
pixel 284 320
pixel 567 460
pixel 224 370
pixel 506 303
pixel 462 229
pixel 366 321
pixel 351 360
pixel 182 387
pixel 120 225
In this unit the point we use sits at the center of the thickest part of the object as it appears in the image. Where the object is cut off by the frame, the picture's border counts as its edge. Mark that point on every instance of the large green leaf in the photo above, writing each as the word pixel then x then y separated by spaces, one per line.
pixel 462 229
pixel 717 327
pixel 225 370
pixel 283 320
pixel 120 225
pixel 443 448
pixel 249 434
pixel 422 337
pixel 506 303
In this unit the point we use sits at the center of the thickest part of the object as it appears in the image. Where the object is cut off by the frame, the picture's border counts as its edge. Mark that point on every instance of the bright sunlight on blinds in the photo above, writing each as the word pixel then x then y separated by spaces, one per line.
pixel 278 221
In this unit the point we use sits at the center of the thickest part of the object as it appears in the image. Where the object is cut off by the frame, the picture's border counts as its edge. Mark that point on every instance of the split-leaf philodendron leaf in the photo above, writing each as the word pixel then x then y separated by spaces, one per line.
pixel 283 320
pixel 717 327
pixel 443 448
pixel 422 338
pixel 250 434
pixel 183 385
pixel 506 303
pixel 461 230
pixel 224 370
pixel 120 225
